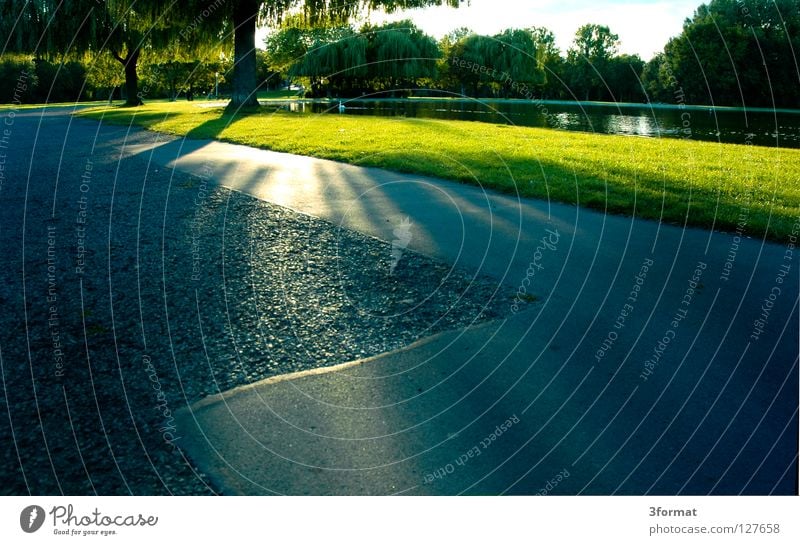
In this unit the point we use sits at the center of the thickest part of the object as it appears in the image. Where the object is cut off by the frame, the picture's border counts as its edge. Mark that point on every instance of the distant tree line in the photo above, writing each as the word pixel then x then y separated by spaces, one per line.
pixel 398 58
pixel 730 52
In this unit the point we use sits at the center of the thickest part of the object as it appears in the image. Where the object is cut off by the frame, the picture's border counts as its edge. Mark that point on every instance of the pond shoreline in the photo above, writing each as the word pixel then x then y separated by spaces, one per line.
pixel 535 102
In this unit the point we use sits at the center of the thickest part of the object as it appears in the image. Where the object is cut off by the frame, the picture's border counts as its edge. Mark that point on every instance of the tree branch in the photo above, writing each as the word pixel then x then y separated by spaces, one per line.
pixel 120 59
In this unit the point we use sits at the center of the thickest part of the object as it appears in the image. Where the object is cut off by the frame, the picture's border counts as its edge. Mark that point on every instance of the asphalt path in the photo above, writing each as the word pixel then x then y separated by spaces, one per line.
pixel 655 358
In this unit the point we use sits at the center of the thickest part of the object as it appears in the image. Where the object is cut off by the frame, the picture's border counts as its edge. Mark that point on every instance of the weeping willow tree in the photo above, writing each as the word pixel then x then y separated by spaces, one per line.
pixel 466 57
pixel 240 17
pixel 130 27
pixel 519 59
pixel 63 29
pixel 21 25
pixel 400 54
pixel 104 72
pixel 378 58
pixel 337 56
pixel 506 63
pixel 288 44
pixel 179 69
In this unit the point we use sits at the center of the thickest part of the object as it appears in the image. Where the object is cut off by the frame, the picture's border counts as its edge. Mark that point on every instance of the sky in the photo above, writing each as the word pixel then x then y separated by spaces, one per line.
pixel 643 26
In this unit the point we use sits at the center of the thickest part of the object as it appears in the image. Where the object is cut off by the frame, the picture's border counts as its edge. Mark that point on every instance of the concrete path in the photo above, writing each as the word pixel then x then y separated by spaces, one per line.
pixel 658 360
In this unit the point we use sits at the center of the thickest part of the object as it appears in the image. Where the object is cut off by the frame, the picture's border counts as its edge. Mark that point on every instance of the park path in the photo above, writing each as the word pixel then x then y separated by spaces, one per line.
pixel 642 368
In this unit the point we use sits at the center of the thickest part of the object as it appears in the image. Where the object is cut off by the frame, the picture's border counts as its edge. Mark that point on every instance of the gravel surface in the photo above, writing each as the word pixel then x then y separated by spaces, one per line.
pixel 130 290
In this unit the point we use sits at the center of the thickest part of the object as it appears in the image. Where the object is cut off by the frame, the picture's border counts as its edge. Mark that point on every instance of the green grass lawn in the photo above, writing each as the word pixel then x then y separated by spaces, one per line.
pixel 677 181
pixel 101 103
pixel 51 105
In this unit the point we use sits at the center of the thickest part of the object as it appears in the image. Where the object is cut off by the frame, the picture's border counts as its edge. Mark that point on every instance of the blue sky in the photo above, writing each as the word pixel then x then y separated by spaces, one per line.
pixel 643 26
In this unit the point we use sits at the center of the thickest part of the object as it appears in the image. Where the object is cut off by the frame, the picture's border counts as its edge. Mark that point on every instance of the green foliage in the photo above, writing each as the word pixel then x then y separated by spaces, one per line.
pixel 56 28
pixel 506 64
pixel 18 74
pixel 268 77
pixel 103 71
pixel 730 52
pixel 621 77
pixel 399 54
pixel 27 80
pixel 340 61
pixel 287 46
pixel 594 43
pixel 58 82
pixel 21 23
pixel 733 52
pixel 238 17
pixel 588 60
pixel 66 30
pixel 551 62
pixel 654 80
pixel 335 53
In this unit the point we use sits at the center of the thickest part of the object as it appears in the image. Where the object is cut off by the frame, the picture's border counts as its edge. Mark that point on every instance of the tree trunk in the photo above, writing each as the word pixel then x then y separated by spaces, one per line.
pixel 131 77
pixel 245 14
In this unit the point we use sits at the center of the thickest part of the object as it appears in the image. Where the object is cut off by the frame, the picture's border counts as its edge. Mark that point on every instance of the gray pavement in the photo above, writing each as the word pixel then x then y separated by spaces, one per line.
pixel 646 367
pixel 657 359
pixel 129 290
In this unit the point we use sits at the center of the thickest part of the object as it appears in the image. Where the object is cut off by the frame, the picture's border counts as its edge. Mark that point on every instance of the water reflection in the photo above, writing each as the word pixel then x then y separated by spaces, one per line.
pixel 722 125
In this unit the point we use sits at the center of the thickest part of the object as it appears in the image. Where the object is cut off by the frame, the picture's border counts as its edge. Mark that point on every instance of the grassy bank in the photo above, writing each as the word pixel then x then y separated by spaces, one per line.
pixel 283 94
pixel 678 181
pixel 4 107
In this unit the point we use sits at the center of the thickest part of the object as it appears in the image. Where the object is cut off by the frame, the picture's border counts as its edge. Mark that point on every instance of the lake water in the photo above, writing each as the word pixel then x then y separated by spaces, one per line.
pixel 758 127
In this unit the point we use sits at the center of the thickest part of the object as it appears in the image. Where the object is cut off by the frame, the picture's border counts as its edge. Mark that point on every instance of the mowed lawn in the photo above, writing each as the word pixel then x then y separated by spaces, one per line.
pixel 673 180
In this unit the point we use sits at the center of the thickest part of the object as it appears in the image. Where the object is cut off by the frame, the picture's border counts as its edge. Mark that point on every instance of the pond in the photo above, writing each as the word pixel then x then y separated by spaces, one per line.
pixel 731 125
